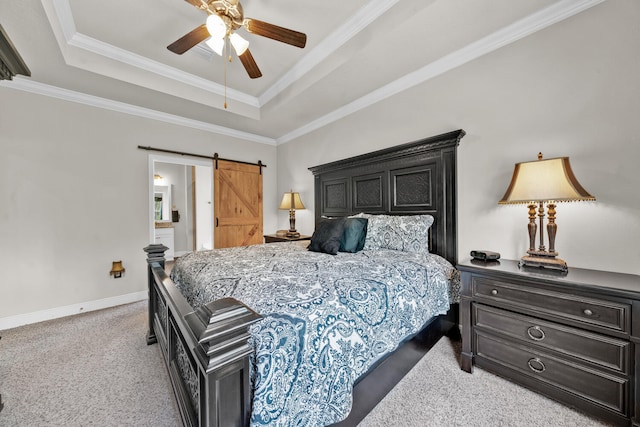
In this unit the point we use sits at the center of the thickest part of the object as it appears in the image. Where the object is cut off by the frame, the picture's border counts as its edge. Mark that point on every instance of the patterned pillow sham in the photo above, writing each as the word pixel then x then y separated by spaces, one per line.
pixel 408 233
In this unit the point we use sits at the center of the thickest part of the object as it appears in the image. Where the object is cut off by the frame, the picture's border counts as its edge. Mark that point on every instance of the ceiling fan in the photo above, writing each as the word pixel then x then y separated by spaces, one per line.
pixel 224 18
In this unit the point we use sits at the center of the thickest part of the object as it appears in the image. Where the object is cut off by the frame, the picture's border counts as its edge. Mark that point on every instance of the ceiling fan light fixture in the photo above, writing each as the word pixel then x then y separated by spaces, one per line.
pixel 217 45
pixel 239 43
pixel 216 26
pixel 224 17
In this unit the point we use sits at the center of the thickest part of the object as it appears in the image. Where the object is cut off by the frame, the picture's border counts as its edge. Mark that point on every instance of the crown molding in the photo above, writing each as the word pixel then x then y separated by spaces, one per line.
pixel 109 51
pixel 61 17
pixel 365 16
pixel 31 86
pixel 535 22
pixel 359 21
pixel 524 27
pixel 64 15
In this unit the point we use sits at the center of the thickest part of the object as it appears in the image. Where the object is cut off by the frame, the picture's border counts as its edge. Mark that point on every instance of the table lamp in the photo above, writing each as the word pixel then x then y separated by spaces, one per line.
pixel 291 201
pixel 538 183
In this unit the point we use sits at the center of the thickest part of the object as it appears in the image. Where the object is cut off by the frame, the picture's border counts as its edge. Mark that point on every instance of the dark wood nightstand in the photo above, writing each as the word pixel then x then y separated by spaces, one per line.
pixel 574 336
pixel 272 238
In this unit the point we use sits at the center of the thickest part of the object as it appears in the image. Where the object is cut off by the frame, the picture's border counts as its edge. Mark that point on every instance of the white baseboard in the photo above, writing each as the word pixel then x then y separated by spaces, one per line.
pixel 68 310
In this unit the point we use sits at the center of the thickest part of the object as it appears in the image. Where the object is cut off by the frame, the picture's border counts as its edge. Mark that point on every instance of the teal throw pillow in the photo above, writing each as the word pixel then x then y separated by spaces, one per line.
pixel 354 235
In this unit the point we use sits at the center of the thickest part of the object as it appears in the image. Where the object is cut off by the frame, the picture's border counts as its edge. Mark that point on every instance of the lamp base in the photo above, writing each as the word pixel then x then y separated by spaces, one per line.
pixel 293 234
pixel 540 261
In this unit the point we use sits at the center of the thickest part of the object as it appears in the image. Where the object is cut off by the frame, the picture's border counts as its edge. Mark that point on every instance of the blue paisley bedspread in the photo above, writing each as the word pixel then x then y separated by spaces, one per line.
pixel 326 319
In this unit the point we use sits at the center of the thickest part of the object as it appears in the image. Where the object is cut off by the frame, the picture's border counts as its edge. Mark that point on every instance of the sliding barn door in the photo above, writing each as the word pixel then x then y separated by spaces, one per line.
pixel 237 204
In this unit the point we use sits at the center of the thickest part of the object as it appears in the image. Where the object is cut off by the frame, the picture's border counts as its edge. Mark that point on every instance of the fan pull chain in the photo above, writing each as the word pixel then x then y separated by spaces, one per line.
pixel 226 43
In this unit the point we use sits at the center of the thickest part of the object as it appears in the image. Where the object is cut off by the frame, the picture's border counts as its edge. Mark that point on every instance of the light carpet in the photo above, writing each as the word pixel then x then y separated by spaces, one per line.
pixel 95 369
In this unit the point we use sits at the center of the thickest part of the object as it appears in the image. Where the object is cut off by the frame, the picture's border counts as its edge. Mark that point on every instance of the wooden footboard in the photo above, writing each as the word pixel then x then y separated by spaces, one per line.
pixel 206 351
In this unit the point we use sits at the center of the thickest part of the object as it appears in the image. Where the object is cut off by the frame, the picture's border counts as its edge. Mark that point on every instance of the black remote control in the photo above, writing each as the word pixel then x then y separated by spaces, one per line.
pixel 485 255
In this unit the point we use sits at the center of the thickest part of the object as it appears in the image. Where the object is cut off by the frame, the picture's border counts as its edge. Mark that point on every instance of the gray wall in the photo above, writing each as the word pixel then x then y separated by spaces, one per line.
pixel 569 90
pixel 75 192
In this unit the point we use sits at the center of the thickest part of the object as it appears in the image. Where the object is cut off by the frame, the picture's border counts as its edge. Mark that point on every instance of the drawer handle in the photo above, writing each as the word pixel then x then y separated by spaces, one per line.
pixel 587 312
pixel 536 333
pixel 494 292
pixel 536 365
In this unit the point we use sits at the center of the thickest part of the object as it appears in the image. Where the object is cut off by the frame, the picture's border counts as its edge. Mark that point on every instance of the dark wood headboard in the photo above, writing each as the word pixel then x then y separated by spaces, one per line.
pixel 408 179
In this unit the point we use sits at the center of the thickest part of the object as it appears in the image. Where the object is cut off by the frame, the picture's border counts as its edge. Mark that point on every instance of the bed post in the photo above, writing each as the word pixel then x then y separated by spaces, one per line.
pixel 155 253
pixel 223 352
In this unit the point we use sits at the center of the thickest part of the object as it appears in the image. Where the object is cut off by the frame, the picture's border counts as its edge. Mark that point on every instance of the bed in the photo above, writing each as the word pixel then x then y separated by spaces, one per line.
pixel 278 334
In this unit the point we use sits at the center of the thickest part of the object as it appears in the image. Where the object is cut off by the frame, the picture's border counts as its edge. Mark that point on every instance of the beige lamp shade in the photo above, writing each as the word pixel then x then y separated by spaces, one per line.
pixel 291 200
pixel 544 181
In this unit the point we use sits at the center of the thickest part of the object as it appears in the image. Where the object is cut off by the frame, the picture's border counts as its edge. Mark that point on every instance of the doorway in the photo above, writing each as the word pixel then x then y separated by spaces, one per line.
pixel 187 183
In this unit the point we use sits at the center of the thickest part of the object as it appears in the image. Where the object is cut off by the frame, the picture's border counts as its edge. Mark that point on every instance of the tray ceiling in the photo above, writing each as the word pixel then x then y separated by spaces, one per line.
pixel 113 55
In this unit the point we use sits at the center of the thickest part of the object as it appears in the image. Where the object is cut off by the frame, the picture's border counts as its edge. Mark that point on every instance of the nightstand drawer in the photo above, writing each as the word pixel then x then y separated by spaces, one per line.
pixel 604 389
pixel 578 310
pixel 586 346
pixel 574 336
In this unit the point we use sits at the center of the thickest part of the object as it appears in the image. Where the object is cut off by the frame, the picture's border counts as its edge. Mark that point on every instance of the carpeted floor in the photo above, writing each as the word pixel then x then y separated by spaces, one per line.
pixel 93 369
pixel 96 369
pixel 460 399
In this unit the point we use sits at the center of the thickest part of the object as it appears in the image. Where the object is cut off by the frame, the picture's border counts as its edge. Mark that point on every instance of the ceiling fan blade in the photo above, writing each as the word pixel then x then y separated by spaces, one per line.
pixel 274 32
pixel 189 40
pixel 250 64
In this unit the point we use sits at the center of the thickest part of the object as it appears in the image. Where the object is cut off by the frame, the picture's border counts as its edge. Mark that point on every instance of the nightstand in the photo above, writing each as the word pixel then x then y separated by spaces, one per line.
pixel 574 337
pixel 272 238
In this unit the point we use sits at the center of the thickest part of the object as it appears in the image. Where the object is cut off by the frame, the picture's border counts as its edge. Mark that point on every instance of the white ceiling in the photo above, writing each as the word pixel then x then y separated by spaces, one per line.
pixel 112 54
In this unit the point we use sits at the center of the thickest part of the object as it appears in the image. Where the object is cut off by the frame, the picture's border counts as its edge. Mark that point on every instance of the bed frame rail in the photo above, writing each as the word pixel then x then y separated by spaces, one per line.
pixel 206 351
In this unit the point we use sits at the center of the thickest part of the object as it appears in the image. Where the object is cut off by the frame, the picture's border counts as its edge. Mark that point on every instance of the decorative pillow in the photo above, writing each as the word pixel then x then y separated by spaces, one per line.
pixel 408 233
pixel 326 238
pixel 354 234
